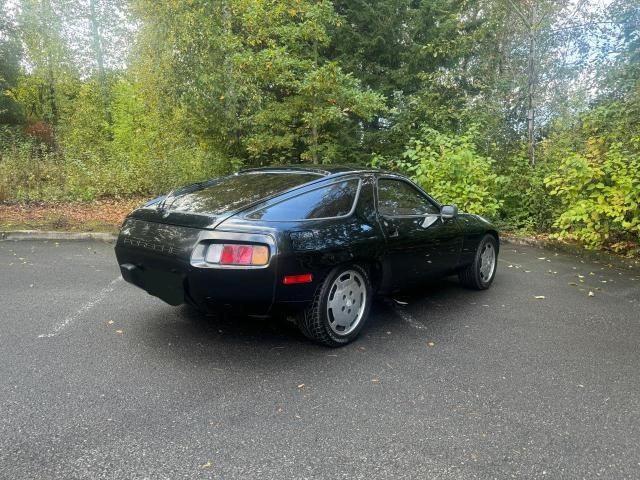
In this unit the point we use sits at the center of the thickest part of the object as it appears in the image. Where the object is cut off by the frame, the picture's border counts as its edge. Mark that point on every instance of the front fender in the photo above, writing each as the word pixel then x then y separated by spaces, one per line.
pixel 474 228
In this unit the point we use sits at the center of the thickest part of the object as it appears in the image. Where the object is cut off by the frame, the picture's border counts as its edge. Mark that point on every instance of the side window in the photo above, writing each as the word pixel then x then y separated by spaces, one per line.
pixel 396 198
pixel 331 201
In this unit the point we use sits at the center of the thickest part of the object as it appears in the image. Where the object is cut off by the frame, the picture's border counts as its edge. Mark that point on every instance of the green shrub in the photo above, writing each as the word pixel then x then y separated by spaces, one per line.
pixel 452 171
pixel 526 205
pixel 28 170
pixel 599 190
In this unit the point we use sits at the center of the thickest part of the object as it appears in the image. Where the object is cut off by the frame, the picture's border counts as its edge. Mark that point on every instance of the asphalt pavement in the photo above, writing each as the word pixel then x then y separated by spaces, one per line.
pixel 538 377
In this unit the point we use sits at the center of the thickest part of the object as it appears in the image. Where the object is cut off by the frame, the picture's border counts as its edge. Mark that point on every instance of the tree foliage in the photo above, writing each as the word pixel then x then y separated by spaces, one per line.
pixel 524 111
pixel 452 170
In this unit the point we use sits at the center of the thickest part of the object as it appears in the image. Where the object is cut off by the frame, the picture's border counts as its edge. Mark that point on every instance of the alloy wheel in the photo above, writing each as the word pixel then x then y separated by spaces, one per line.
pixel 346 302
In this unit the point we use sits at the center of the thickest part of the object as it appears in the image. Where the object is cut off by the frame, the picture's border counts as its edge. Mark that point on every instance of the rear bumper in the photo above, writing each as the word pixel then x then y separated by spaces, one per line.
pixel 159 258
pixel 167 261
pixel 175 282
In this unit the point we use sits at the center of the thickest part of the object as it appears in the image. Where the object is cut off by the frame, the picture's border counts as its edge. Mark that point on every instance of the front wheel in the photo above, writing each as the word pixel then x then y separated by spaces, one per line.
pixel 480 273
pixel 340 307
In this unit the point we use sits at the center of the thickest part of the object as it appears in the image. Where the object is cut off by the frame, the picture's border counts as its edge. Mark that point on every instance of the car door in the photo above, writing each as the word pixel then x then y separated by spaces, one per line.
pixel 419 243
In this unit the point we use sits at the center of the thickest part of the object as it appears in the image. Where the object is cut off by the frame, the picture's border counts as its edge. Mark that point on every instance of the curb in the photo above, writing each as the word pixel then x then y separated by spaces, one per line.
pixel 528 241
pixel 17 235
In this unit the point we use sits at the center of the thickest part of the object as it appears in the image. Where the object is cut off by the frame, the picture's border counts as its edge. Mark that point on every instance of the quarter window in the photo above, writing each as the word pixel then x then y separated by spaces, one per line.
pixel 334 200
pixel 398 198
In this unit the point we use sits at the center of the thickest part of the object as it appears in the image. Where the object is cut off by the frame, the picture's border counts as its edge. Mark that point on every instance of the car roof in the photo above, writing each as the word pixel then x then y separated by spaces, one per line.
pixel 323 170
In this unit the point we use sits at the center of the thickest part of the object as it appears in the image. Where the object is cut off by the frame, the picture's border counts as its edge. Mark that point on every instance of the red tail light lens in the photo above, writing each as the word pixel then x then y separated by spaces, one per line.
pixel 234 254
pixel 293 279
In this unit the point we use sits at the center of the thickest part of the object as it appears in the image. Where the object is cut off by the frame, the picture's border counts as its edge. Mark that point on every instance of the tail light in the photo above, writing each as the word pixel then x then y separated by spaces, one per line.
pixel 237 254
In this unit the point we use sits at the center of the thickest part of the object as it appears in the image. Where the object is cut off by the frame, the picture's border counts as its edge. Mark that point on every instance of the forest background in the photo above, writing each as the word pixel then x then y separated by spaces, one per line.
pixel 524 111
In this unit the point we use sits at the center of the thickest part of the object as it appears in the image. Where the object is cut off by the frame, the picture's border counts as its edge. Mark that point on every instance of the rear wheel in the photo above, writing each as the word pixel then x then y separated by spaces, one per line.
pixel 480 273
pixel 340 307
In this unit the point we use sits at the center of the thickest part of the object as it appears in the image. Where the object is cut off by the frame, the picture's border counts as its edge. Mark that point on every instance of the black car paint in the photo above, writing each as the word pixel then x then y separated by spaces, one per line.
pixel 156 246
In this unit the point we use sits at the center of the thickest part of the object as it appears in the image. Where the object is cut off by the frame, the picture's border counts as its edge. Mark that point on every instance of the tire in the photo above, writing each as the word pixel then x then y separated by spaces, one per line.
pixel 333 321
pixel 477 275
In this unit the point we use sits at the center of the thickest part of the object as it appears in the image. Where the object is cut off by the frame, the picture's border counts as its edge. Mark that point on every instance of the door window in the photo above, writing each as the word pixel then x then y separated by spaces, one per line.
pixel 400 198
pixel 335 200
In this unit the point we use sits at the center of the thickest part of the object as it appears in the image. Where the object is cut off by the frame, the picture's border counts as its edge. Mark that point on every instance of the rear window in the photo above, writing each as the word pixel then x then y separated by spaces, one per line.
pixel 334 200
pixel 237 191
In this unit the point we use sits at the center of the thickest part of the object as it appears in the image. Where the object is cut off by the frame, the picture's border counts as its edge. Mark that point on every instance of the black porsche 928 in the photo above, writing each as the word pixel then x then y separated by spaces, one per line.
pixel 316 243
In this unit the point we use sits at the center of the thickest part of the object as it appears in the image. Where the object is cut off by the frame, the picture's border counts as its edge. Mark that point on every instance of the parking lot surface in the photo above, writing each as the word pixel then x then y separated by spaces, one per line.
pixel 537 377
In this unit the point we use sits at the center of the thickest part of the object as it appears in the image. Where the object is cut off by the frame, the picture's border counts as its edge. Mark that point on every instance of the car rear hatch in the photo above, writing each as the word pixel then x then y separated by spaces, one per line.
pixel 156 242
pixel 207 204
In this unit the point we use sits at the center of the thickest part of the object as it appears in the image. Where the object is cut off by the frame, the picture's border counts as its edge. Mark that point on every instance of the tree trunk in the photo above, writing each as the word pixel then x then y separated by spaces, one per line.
pixel 99 53
pixel 531 83
pixel 46 14
pixel 230 97
pixel 314 139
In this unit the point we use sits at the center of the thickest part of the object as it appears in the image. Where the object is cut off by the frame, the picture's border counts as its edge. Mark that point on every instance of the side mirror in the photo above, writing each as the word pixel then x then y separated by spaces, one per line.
pixel 448 212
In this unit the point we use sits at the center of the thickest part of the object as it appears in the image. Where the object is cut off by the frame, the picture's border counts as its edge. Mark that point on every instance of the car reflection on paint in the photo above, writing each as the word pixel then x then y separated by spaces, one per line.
pixel 317 243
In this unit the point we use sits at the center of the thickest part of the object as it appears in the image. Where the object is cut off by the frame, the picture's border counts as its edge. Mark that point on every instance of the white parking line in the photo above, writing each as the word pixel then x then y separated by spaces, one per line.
pixel 83 309
pixel 405 316
pixel 408 318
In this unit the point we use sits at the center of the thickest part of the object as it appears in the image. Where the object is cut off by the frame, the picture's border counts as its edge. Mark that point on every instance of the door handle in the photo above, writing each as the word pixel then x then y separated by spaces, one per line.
pixel 429 220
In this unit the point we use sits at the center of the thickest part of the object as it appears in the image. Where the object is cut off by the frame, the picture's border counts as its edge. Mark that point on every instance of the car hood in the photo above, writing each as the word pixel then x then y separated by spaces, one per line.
pixel 206 204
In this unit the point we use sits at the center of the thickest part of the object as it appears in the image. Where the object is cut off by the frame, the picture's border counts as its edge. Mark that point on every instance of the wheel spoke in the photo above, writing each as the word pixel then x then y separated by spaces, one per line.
pixel 334 303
